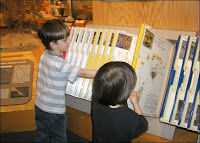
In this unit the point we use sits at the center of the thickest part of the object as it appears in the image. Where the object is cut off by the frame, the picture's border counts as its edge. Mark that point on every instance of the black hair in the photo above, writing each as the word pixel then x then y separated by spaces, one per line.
pixel 114 83
pixel 51 31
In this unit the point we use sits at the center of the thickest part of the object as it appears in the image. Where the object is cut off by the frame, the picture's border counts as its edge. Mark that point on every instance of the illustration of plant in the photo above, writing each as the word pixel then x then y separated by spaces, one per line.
pixel 124 41
pixel 156 68
pixel 156 64
pixel 148 39
pixel 139 93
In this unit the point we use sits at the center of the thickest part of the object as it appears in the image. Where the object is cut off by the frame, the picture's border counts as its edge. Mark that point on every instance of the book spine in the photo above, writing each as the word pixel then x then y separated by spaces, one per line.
pixel 97 59
pixel 175 74
pixel 76 55
pixel 90 62
pixel 114 40
pixel 190 87
pixel 78 61
pixel 194 115
pixel 139 43
pixel 86 51
pixel 181 77
pixel 107 47
pixel 73 37
pixel 171 77
pixel 186 81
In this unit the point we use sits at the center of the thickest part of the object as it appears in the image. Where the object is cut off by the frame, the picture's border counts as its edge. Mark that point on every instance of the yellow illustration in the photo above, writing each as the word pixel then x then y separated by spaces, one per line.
pixel 124 41
pixel 148 39
pixel 156 65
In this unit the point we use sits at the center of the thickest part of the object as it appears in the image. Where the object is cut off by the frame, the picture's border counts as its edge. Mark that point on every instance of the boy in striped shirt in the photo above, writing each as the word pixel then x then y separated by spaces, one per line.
pixel 53 74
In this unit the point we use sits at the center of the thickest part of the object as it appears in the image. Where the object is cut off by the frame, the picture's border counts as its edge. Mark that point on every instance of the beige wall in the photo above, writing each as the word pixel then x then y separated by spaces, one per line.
pixel 162 14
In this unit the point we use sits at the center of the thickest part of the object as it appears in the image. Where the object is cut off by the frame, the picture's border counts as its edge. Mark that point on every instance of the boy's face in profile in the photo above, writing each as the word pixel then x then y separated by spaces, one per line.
pixel 63 44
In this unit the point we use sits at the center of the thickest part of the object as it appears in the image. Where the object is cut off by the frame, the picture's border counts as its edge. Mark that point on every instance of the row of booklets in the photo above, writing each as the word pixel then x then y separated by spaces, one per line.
pixel 182 103
pixel 167 73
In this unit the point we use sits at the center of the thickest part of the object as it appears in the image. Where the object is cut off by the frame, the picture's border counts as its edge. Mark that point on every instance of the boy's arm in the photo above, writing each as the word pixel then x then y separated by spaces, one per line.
pixel 87 73
pixel 134 101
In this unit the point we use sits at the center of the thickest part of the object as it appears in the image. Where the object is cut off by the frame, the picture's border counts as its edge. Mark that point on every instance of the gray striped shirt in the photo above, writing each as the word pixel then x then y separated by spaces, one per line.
pixel 53 74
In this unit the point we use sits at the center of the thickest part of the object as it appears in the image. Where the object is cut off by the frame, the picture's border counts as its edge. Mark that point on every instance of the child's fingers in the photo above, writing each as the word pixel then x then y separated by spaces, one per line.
pixel 134 93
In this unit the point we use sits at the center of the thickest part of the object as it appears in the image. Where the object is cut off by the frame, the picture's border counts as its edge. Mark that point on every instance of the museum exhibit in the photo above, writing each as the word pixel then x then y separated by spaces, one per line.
pixel 158 38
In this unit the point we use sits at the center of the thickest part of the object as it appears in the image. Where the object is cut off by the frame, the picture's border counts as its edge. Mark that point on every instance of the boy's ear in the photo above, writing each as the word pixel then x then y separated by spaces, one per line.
pixel 53 45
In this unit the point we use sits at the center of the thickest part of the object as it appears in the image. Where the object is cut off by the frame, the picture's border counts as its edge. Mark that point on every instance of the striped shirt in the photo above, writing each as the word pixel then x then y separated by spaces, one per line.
pixel 53 75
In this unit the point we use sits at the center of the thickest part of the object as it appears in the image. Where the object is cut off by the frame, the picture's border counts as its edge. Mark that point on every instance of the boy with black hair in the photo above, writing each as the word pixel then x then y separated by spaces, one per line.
pixel 112 120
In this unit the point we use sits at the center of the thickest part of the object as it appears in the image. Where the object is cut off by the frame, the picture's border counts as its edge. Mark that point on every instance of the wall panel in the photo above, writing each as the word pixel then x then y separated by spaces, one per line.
pixel 171 15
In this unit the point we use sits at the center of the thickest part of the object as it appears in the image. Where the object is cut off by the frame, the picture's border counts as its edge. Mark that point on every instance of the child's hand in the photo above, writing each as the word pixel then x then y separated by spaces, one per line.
pixel 133 98
pixel 134 101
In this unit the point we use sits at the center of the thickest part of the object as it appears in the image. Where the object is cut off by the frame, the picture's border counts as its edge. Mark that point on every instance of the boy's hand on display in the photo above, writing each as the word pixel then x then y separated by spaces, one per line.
pixel 134 101
pixel 133 98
